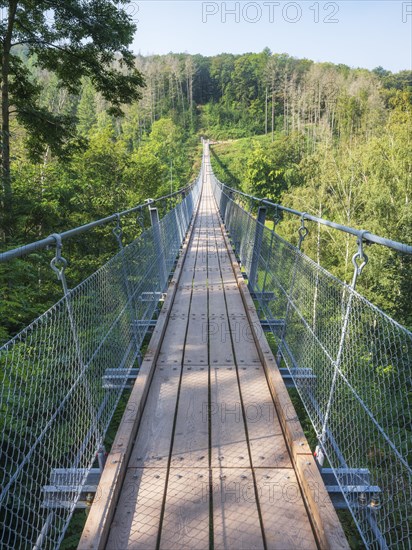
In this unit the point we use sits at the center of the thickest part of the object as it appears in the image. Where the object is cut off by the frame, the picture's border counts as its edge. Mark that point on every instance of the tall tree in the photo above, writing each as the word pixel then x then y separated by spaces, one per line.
pixel 86 108
pixel 73 39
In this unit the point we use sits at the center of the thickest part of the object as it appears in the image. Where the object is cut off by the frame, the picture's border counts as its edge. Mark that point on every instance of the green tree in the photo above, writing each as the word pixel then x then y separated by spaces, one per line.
pixel 72 39
pixel 272 168
pixel 86 109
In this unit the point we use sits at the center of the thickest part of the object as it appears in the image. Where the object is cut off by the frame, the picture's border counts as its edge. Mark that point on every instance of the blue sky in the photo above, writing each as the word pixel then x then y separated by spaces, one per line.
pixel 362 33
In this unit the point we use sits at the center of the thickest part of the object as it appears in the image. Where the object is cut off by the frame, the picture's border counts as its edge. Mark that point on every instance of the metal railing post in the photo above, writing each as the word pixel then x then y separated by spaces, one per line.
pixel 223 204
pixel 226 216
pixel 260 223
pixel 154 219
pixel 131 304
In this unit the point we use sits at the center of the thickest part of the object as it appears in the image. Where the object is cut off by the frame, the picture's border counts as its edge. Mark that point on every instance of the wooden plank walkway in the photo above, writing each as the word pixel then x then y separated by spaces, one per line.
pixel 216 457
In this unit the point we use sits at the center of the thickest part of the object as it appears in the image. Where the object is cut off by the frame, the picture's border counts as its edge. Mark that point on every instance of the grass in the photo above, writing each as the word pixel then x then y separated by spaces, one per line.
pixel 229 158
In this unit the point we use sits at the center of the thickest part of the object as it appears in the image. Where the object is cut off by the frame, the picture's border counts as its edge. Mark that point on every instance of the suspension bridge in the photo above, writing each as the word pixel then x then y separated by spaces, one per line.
pixel 209 452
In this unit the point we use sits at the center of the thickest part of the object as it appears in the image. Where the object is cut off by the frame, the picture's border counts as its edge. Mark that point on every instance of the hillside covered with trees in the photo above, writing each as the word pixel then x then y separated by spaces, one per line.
pixel 326 139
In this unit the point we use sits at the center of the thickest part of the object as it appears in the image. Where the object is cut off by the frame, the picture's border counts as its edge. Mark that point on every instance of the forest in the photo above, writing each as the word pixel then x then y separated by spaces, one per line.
pixel 326 139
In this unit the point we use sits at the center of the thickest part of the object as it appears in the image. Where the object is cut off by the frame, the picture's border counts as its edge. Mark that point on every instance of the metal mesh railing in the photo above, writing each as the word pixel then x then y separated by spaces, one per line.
pixel 351 364
pixel 61 379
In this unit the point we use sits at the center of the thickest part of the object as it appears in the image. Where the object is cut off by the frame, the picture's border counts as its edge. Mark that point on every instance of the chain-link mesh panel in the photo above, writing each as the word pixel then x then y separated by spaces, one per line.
pixel 352 366
pixel 55 407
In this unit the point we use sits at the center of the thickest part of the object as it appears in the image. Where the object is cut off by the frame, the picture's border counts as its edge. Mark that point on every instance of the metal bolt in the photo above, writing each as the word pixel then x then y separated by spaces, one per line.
pixel 376 502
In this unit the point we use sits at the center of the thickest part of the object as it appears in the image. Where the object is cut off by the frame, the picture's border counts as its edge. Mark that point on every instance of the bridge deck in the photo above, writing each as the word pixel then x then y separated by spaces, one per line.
pixel 211 466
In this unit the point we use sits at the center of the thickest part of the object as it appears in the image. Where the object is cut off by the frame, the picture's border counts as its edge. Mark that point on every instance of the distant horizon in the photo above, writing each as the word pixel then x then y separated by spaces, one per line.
pixel 272 52
pixel 363 34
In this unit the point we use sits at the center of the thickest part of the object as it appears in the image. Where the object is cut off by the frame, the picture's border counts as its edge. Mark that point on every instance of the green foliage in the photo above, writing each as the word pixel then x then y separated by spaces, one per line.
pixel 70 40
pixel 74 532
pixel 272 168
pixel 86 109
pixel 362 179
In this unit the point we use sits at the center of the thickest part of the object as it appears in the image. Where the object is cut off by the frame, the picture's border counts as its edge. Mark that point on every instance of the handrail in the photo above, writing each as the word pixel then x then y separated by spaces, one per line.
pixel 51 239
pixel 361 234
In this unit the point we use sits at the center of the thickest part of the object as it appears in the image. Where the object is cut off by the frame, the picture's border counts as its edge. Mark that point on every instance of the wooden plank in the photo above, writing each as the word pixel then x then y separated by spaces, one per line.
pixel 220 253
pixel 220 344
pixel 236 523
pixel 190 263
pixel 186 516
pixel 171 351
pixel 196 345
pixel 202 252
pixel 191 436
pixel 217 251
pixel 217 304
pixel 227 273
pixel 285 520
pixel 328 528
pixel 217 261
pixel 234 300
pixel 137 519
pixel 195 264
pixel 199 274
pixel 214 277
pixel 228 437
pixel 243 340
pixel 212 256
pixel 154 439
pixel 182 300
pixel 226 268
pixel 266 441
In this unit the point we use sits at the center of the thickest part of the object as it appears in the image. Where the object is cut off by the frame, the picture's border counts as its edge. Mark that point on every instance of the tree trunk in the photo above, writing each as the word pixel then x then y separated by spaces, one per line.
pixel 273 116
pixel 285 107
pixel 5 125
